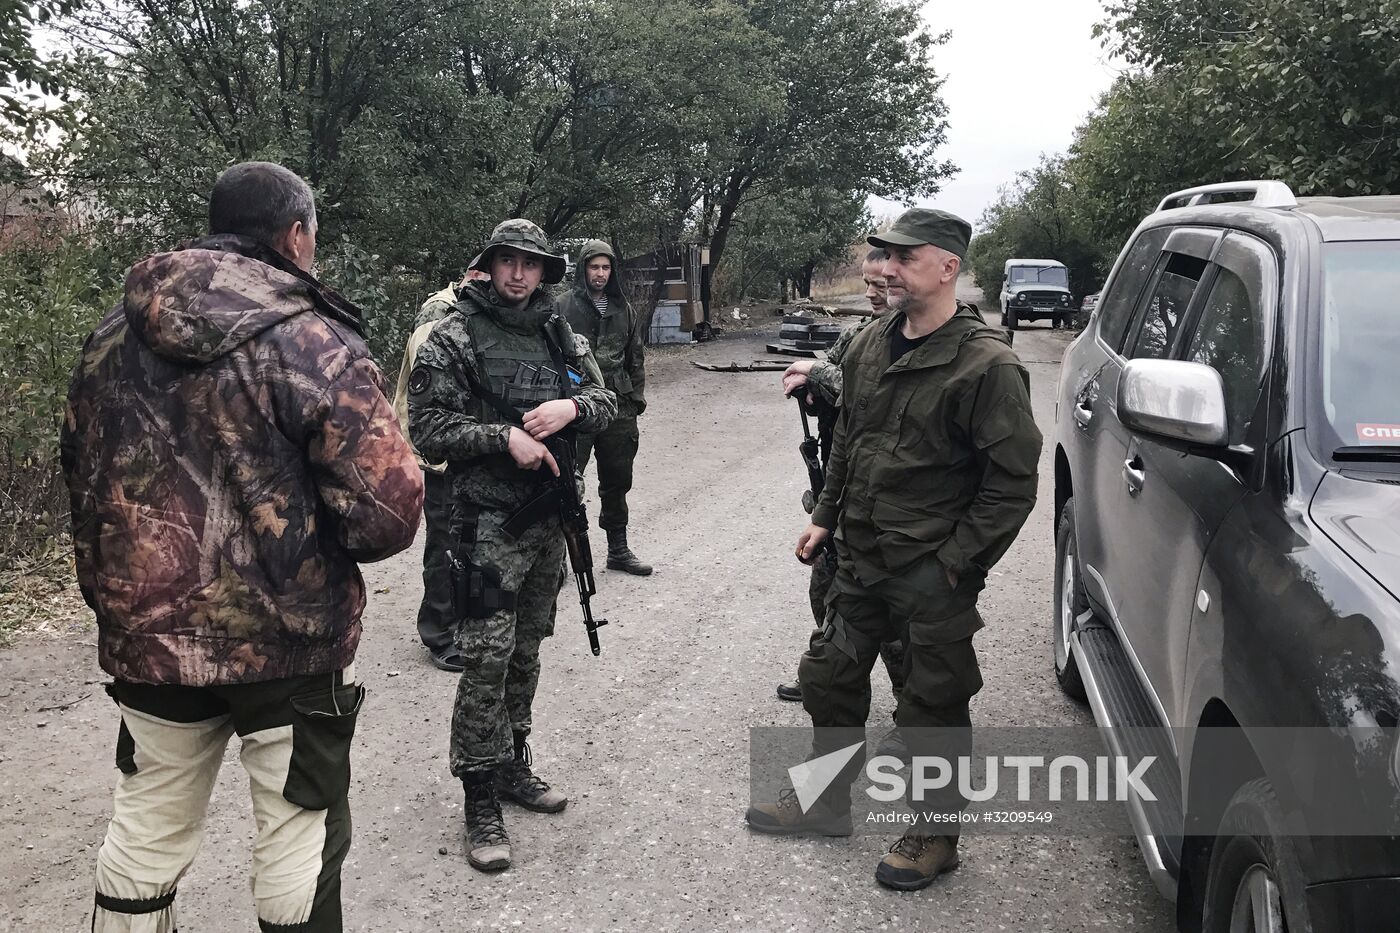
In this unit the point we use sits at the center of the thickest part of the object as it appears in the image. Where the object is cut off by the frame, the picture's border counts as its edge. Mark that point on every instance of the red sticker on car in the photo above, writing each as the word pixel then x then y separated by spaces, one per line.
pixel 1378 433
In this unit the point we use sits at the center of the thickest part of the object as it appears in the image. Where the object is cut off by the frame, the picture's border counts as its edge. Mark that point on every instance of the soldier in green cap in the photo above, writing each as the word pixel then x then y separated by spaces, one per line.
pixel 496 377
pixel 820 379
pixel 597 309
pixel 932 475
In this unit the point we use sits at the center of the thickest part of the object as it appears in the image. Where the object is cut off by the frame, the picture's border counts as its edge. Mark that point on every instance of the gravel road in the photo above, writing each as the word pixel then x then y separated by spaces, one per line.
pixel 650 740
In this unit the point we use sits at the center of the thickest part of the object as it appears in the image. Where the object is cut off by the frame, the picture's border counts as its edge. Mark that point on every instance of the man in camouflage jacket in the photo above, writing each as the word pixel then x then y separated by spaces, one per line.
pixel 497 377
pixel 231 458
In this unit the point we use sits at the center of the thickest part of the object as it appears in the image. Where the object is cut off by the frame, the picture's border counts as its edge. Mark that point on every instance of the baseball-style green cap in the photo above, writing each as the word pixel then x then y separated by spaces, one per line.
pixel 920 225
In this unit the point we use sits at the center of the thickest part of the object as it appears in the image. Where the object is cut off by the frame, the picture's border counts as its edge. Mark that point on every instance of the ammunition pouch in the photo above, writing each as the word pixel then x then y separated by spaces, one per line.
pixel 476 589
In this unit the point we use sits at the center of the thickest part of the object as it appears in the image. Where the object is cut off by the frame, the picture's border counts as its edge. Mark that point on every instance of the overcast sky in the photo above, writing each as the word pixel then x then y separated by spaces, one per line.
pixel 1021 75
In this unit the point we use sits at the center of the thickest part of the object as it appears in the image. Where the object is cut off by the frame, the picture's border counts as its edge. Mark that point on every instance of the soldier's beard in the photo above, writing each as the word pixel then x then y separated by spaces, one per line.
pixel 901 301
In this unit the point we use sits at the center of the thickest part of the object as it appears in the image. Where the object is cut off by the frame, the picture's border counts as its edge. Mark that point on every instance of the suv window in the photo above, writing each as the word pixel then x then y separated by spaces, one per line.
pixel 1231 339
pixel 1115 308
pixel 1163 312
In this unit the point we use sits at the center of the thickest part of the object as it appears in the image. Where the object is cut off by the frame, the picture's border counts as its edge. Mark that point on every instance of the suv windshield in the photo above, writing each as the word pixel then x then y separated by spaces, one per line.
pixel 1042 275
pixel 1361 342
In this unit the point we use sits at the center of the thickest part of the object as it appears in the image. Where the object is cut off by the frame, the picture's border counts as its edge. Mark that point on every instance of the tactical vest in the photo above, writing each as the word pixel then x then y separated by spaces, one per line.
pixel 519 368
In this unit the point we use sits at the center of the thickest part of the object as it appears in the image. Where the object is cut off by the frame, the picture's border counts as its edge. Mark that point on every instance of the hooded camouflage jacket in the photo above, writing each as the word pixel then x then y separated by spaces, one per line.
pixel 617 343
pixel 483 342
pixel 230 456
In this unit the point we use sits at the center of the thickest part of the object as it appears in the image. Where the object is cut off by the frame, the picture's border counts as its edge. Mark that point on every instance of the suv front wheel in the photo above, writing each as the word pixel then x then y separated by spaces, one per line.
pixel 1070 602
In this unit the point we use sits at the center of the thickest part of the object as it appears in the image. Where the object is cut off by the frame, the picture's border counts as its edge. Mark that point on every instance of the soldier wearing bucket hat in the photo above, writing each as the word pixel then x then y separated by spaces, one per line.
pixel 932 475
pixel 521 235
pixel 501 347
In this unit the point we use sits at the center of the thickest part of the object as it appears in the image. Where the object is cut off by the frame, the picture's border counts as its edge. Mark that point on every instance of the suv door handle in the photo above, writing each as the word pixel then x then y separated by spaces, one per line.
pixel 1083 412
pixel 1134 475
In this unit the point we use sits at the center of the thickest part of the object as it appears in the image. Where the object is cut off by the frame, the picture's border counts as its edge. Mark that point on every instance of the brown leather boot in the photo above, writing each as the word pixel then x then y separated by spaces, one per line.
pixel 785 817
pixel 915 860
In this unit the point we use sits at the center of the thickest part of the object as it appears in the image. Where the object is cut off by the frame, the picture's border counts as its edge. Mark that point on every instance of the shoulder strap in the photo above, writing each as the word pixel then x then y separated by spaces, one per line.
pixel 556 355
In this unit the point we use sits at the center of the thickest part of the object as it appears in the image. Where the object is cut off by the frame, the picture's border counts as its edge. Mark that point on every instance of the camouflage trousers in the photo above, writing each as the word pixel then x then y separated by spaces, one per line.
pixel 823 574
pixel 502 650
pixel 616 446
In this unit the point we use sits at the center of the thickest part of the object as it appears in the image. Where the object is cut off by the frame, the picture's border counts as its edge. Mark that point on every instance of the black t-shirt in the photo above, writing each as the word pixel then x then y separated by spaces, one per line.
pixel 901 345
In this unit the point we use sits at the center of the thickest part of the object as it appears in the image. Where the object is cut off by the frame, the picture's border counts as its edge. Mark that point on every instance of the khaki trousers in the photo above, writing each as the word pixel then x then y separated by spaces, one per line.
pixel 296 736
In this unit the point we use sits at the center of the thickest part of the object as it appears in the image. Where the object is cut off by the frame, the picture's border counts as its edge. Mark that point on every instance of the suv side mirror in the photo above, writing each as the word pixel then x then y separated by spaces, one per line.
pixel 1174 400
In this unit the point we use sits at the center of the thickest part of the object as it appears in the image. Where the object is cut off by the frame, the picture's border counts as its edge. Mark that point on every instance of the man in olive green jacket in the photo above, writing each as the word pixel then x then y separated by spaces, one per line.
pixel 597 310
pixel 932 475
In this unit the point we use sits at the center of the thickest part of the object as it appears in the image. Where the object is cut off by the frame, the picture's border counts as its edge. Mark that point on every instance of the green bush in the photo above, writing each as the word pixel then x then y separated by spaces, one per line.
pixel 51 296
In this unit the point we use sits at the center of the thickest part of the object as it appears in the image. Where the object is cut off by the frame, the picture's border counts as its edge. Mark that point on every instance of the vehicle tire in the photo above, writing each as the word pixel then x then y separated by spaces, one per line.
pixel 1070 603
pixel 1011 319
pixel 1254 882
pixel 1004 317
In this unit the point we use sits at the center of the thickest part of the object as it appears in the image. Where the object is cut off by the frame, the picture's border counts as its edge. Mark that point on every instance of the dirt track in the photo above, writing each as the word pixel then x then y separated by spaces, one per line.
pixel 650 740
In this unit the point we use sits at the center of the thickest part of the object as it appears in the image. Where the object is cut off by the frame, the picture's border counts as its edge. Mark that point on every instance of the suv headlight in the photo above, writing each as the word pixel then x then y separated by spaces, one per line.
pixel 1021 297
pixel 1064 299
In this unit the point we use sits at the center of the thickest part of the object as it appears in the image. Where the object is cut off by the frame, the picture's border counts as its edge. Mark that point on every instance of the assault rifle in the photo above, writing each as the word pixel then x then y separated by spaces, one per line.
pixel 810 449
pixel 560 496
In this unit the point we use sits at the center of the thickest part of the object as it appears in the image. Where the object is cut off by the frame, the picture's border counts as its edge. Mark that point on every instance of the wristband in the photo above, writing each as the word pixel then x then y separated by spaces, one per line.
pixel 578 409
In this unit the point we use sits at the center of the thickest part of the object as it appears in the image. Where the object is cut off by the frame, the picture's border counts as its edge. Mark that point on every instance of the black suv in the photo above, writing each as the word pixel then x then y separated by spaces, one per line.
pixel 1227 481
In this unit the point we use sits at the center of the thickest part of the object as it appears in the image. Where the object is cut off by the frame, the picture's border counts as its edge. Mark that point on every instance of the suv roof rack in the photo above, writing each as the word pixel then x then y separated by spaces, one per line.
pixel 1265 194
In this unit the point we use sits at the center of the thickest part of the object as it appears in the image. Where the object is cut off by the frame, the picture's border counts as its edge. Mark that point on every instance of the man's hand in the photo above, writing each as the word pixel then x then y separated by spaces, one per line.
pixel 795 377
pixel 529 453
pixel 810 543
pixel 549 418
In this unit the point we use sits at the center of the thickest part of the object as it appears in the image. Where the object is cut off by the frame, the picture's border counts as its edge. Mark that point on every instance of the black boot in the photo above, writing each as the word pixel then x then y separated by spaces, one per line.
pixel 517 781
pixel 791 692
pixel 620 556
pixel 488 846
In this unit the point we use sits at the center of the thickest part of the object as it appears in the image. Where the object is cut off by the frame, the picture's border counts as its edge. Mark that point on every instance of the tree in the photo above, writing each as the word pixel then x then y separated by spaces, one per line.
pixel 1038 217
pixel 783 237
pixel 860 109
pixel 1303 90
pixel 22 68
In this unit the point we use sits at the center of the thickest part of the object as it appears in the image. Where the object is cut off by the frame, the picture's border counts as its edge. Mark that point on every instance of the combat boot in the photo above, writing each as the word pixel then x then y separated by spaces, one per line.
pixel 915 860
pixel 488 846
pixel 791 692
pixel 894 744
pixel 620 556
pixel 785 817
pixel 516 781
